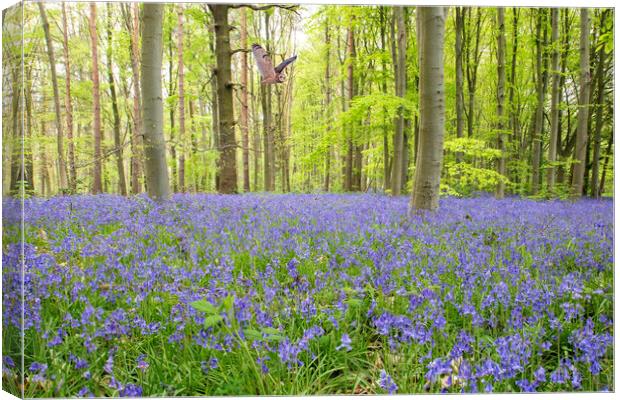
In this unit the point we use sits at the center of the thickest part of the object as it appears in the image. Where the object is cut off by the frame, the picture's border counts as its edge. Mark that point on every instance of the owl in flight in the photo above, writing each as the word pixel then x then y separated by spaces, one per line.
pixel 265 66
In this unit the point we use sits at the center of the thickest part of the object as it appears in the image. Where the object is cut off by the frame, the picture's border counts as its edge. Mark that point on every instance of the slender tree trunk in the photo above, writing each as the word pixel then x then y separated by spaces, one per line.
pixel 255 136
pixel 472 70
pixel 432 109
pixel 62 168
pixel 350 90
pixel 97 187
pixel 460 26
pixel 582 116
pixel 171 111
pixel 68 103
pixel 328 100
pixel 244 103
pixel 400 66
pixel 594 185
pixel 228 144
pixel 555 99
pixel 28 136
pixel 538 124
pixel 215 127
pixel 514 108
pixel 268 155
pixel 501 81
pixel 181 72
pixel 386 147
pixel 601 188
pixel 122 185
pixel 136 138
pixel 157 183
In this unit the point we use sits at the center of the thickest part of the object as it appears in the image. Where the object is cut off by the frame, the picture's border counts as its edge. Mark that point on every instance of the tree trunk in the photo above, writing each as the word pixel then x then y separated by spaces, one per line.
pixel 432 108
pixel 268 141
pixel 350 89
pixel 328 100
pixel 601 188
pixel 255 137
pixel 538 124
pixel 594 190
pixel 215 127
pixel 181 73
pixel 228 154
pixel 122 185
pixel 472 70
pixel 501 81
pixel 460 26
pixel 171 111
pixel 244 103
pixel 555 100
pixel 136 138
pixel 68 103
pixel 97 187
pixel 157 183
pixel 386 148
pixel 400 66
pixel 62 168
pixel 514 108
pixel 582 116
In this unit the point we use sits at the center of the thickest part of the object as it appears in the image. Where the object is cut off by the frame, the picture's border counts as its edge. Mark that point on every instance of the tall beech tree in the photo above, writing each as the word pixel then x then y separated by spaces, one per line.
pixel 157 183
pixel 97 170
pixel 501 81
pixel 432 108
pixel 579 167
pixel 118 146
pixel 62 166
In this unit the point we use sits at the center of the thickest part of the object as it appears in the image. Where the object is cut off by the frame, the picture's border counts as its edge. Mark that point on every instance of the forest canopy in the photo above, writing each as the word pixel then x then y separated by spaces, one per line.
pixel 347 117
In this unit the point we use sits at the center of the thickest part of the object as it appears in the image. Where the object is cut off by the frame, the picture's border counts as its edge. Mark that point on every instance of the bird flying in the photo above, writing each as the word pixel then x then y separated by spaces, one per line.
pixel 270 74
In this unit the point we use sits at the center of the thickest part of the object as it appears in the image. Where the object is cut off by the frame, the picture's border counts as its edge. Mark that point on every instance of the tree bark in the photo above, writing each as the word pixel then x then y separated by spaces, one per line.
pixel 136 137
pixel 68 103
pixel 582 116
pixel 432 109
pixel 400 75
pixel 268 141
pixel 92 23
pixel 122 185
pixel 555 100
pixel 350 89
pixel 62 167
pixel 594 190
pixel 244 103
pixel 228 144
pixel 460 26
pixel 472 70
pixel 540 93
pixel 181 72
pixel 328 100
pixel 386 147
pixel 157 183
pixel 501 81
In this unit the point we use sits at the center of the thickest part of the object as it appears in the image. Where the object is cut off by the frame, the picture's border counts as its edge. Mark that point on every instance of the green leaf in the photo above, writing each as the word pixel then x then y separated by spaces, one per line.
pixel 213 320
pixel 252 334
pixel 277 338
pixel 270 331
pixel 204 306
pixel 228 302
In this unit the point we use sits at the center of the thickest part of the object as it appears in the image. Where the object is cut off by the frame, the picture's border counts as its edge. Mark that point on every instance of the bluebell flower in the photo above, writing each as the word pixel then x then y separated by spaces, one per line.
pixel 386 382
pixel 345 342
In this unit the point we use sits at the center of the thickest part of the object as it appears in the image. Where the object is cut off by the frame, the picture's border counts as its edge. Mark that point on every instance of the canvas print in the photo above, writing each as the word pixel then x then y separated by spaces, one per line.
pixel 296 199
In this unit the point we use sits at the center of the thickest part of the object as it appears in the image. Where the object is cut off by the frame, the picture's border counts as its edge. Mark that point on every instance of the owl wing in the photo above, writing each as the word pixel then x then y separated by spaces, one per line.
pixel 263 62
pixel 284 64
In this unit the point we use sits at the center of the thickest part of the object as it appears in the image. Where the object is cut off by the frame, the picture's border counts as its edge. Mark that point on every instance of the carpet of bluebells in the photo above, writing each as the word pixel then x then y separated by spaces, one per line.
pixel 307 294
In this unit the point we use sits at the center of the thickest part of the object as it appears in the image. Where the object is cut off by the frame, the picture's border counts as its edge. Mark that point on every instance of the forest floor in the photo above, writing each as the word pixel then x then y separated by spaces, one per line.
pixel 307 294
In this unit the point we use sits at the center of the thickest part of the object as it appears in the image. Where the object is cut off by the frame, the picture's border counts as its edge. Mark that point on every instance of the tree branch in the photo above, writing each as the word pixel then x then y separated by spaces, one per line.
pixel 240 51
pixel 292 7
